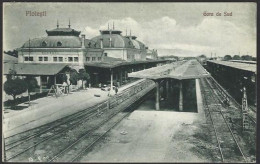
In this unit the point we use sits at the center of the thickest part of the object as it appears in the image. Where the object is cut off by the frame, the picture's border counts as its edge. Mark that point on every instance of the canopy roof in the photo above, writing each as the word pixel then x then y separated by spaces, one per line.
pixel 34 69
pixel 243 66
pixel 180 70
pixel 110 62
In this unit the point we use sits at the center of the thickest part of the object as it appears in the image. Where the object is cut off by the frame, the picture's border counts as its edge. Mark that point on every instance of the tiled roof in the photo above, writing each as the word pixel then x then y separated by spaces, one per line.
pixel 178 70
pixel 242 66
pixel 34 69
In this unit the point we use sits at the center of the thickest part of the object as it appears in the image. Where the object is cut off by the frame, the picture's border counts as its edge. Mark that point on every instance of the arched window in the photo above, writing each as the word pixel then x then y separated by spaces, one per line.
pixel 44 44
pixel 59 44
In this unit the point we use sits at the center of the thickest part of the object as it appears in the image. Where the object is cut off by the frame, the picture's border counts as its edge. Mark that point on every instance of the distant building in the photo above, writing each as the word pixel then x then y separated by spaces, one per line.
pixel 171 58
pixel 151 54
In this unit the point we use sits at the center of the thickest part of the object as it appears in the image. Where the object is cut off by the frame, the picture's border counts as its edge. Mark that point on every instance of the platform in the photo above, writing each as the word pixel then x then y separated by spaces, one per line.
pixel 48 109
pixel 153 136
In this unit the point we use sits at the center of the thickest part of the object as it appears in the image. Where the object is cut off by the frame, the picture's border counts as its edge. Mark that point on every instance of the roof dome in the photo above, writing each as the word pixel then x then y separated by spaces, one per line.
pixel 117 40
pixel 54 42
pixel 137 44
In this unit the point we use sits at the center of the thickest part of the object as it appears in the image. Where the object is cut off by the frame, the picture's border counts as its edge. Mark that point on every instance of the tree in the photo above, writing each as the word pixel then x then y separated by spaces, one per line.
pixel 64 78
pixel 15 87
pixel 74 76
pixel 11 74
pixel 202 56
pixel 13 53
pixel 236 57
pixel 32 84
pixel 227 57
pixel 83 75
pixel 246 57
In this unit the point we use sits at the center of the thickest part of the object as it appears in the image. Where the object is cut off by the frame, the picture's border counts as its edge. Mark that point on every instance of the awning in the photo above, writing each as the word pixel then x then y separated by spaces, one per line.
pixel 34 69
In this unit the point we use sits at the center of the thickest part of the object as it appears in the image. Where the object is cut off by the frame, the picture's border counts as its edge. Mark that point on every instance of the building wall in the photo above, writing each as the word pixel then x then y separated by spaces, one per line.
pixel 93 56
pixel 45 56
pixel 125 53
pixel 116 53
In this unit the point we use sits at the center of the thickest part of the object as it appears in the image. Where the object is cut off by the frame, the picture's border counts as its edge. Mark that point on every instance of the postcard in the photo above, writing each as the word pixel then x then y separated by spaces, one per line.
pixel 129 82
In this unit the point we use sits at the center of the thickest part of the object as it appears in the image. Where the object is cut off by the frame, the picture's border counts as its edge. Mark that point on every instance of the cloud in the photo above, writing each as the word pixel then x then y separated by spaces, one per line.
pixel 211 35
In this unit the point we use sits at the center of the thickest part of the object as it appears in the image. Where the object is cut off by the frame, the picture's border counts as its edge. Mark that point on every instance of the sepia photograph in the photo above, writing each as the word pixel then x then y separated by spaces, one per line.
pixel 129 82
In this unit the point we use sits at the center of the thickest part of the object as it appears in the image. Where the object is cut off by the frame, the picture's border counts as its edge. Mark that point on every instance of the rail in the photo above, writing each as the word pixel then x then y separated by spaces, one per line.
pixel 89 112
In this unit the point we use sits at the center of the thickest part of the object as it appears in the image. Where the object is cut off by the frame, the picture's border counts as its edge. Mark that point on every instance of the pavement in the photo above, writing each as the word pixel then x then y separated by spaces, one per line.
pixel 148 135
pixel 48 109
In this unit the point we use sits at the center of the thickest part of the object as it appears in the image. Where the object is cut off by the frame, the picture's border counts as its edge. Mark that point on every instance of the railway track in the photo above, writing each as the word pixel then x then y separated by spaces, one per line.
pixel 224 92
pixel 72 119
pixel 77 149
pixel 229 148
pixel 18 146
pixel 37 139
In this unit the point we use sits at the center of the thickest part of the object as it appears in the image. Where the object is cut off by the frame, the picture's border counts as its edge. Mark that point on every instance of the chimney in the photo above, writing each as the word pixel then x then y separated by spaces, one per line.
pixel 101 43
pixel 110 42
pixel 82 41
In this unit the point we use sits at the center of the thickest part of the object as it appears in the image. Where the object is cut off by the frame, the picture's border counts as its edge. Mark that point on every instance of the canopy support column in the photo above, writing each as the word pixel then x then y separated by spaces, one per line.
pixel 167 88
pixel 181 98
pixel 111 82
pixel 157 95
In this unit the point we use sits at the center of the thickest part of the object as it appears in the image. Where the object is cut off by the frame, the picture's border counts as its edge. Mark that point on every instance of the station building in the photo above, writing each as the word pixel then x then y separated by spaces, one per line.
pixel 61 45
pixel 107 57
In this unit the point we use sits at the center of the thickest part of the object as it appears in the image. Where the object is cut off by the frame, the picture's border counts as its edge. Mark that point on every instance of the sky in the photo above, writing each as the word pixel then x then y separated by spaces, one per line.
pixel 180 29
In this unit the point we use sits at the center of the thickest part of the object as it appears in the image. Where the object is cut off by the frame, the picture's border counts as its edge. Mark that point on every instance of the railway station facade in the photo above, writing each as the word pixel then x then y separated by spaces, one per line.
pixel 109 56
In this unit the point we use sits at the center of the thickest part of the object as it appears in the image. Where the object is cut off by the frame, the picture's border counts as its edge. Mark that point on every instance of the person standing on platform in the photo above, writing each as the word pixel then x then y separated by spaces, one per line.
pixel 116 90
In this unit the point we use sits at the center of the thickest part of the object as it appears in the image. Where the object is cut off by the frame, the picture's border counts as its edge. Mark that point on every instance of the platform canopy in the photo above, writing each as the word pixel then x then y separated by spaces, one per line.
pixel 110 62
pixel 242 65
pixel 34 68
pixel 180 70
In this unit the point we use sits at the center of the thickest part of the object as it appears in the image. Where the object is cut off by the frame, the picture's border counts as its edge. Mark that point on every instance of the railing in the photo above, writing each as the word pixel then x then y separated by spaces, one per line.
pixel 127 93
pixel 122 96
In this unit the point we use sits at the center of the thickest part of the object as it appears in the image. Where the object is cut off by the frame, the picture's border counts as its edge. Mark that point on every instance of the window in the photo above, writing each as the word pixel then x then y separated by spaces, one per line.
pixel 55 59
pixel 60 59
pixel 105 54
pixel 59 44
pixel 26 58
pixel 30 58
pixel 99 58
pixel 40 58
pixel 70 59
pixel 76 59
pixel 87 58
pixel 93 58
pixel 45 58
pixel 44 44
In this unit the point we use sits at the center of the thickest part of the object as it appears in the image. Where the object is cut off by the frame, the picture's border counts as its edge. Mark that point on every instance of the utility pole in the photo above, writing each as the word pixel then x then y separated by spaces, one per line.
pixel 245 119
